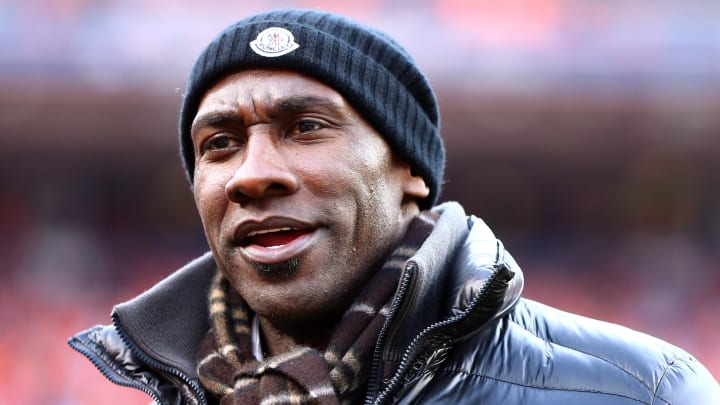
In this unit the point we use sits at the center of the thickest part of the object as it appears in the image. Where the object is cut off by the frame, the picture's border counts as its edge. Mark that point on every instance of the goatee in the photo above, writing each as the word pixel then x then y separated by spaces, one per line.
pixel 283 269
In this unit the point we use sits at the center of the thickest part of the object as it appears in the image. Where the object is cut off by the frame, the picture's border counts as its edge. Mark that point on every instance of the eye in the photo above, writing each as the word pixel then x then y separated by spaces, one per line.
pixel 220 142
pixel 306 126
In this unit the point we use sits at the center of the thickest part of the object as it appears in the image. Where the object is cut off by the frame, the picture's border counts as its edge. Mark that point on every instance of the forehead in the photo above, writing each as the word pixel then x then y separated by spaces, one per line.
pixel 267 86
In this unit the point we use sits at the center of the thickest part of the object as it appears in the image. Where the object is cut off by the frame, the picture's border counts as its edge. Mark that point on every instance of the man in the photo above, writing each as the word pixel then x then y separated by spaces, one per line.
pixel 313 148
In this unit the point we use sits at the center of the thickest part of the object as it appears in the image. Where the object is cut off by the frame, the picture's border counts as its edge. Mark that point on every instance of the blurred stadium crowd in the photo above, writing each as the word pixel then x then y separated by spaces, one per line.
pixel 585 133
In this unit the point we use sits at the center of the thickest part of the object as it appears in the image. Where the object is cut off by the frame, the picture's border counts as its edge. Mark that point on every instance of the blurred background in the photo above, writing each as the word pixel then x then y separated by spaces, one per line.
pixel 585 133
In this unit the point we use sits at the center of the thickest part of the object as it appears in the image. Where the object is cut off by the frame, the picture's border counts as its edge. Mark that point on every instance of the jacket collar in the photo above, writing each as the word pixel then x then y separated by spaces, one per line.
pixel 453 266
pixel 479 257
pixel 169 321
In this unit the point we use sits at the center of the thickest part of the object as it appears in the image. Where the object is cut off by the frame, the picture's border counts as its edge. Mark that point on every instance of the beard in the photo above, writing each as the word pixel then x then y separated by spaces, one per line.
pixel 282 269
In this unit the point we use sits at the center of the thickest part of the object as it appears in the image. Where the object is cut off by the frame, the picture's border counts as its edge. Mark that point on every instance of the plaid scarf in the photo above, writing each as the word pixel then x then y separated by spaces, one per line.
pixel 230 373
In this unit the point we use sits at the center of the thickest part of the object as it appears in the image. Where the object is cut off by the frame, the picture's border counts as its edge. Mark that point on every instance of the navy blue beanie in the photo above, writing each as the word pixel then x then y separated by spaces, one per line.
pixel 369 69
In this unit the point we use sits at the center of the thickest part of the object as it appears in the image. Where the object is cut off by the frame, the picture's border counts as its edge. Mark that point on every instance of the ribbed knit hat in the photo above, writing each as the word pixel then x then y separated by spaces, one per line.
pixel 369 69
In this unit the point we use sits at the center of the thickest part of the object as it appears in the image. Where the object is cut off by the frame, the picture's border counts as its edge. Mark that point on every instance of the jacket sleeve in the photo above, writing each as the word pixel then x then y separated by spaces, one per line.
pixel 686 381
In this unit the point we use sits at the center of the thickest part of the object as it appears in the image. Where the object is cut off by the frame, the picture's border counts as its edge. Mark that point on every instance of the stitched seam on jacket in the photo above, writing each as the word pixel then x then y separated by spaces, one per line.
pixel 554 388
pixel 640 380
pixel 660 381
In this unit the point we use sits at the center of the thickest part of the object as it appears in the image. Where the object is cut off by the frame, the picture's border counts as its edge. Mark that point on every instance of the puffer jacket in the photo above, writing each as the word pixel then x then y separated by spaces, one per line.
pixel 458 333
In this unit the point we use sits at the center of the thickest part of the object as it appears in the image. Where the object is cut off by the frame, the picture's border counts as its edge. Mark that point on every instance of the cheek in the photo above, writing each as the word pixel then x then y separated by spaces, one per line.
pixel 344 181
pixel 210 198
pixel 382 183
pixel 378 195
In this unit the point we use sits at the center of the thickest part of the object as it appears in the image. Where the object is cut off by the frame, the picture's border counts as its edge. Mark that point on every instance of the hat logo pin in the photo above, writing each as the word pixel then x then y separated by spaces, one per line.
pixel 273 42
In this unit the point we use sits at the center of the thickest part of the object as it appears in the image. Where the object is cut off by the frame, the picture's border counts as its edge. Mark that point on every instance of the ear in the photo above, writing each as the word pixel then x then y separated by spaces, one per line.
pixel 413 186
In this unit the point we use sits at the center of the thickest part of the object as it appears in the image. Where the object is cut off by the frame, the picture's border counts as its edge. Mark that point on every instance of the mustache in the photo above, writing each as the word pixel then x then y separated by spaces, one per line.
pixel 282 269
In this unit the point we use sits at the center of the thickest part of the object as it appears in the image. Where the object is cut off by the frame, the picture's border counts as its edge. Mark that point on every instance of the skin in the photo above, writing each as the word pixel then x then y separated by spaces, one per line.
pixel 276 149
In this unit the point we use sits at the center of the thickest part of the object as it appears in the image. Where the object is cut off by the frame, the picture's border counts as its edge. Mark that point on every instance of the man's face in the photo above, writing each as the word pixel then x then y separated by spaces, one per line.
pixel 298 195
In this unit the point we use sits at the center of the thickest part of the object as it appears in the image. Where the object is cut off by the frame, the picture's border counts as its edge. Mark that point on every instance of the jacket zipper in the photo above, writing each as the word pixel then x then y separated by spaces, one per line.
pixel 410 354
pixel 92 356
pixel 374 384
pixel 156 364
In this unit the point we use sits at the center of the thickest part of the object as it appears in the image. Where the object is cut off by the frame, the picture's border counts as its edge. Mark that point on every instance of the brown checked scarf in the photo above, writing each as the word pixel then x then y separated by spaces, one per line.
pixel 231 374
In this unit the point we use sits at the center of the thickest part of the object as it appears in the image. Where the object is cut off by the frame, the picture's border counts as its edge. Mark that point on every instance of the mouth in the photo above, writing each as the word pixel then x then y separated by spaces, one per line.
pixel 274 240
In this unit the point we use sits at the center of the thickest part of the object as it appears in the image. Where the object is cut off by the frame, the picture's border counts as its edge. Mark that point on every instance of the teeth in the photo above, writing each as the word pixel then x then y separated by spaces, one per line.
pixel 262 231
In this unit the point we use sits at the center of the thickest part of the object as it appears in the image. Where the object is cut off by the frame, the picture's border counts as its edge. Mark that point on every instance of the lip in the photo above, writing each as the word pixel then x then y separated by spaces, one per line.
pixel 274 254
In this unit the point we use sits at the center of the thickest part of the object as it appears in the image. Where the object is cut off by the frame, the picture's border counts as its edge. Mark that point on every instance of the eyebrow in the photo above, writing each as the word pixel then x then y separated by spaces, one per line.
pixel 304 103
pixel 293 104
pixel 215 119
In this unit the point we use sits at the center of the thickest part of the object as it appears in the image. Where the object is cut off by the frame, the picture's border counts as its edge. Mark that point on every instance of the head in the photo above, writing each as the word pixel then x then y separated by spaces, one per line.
pixel 310 141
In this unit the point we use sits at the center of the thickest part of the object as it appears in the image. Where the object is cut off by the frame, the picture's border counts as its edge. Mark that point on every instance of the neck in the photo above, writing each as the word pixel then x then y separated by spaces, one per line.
pixel 277 339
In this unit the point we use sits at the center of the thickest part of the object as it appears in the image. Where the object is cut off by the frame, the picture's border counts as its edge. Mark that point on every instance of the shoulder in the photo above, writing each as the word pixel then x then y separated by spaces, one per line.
pixel 553 356
pixel 630 362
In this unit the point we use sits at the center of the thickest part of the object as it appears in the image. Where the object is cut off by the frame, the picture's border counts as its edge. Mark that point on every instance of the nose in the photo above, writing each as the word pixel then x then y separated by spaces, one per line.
pixel 263 172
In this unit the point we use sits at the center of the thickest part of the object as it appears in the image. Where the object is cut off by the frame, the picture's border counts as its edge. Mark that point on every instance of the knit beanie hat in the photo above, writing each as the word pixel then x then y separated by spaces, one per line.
pixel 368 68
